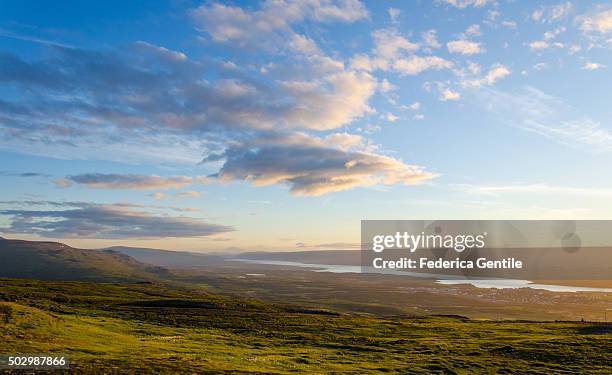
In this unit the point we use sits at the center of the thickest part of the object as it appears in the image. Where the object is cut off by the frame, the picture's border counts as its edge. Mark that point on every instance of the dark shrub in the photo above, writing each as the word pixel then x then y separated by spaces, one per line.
pixel 6 313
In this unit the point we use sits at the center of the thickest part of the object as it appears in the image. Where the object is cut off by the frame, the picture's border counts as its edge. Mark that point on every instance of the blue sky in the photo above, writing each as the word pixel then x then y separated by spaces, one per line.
pixel 281 124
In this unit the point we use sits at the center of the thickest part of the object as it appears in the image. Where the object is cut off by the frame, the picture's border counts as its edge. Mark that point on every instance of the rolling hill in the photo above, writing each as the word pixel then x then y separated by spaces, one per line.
pixel 57 261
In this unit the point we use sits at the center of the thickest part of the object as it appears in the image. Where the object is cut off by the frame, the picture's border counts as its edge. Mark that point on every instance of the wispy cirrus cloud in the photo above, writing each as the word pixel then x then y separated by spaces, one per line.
pixel 536 188
pixel 33 39
pixel 533 110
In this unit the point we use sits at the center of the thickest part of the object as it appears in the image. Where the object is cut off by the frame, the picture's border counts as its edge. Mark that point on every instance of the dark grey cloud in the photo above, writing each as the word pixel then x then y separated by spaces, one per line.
pixel 311 167
pixel 56 204
pixel 23 174
pixel 105 221
pixel 72 204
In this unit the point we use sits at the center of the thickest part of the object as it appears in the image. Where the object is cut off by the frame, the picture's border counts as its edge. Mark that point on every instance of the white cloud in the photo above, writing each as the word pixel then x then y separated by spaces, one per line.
pixel 573 49
pixel 540 66
pixel 474 68
pixel 386 86
pixel 391 117
pixel 597 22
pixel 464 47
pixel 539 45
pixel 447 94
pixel 552 13
pixel 473 30
pixel 547 40
pixel 415 106
pixel 344 141
pixel 495 73
pixel 394 52
pixel 461 4
pixel 329 104
pixel 369 129
pixel 394 14
pixel 389 43
pixel 363 62
pixel 537 14
pixel 430 39
pixel 158 196
pixel 493 14
pixel 593 66
pixel 62 182
pixel 417 64
pixel 553 33
pixel 542 45
pixel 188 194
pixel 305 45
pixel 232 88
pixel 272 21
pixel 509 24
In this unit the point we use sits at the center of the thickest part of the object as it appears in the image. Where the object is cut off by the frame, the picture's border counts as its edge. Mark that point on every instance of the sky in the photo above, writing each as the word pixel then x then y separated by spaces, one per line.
pixel 280 125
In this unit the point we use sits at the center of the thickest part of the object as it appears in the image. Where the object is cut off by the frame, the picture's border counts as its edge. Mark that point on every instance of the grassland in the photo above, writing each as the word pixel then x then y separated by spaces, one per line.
pixel 135 328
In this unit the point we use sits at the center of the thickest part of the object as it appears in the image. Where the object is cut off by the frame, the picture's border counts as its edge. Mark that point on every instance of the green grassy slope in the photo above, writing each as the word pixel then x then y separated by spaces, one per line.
pixel 139 328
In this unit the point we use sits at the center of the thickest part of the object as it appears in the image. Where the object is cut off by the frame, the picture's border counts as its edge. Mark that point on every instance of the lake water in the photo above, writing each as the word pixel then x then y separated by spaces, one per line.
pixel 479 283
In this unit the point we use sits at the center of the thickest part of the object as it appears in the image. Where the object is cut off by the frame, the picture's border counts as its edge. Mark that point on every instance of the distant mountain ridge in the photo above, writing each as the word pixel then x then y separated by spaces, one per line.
pixel 57 261
pixel 167 258
pixel 339 257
